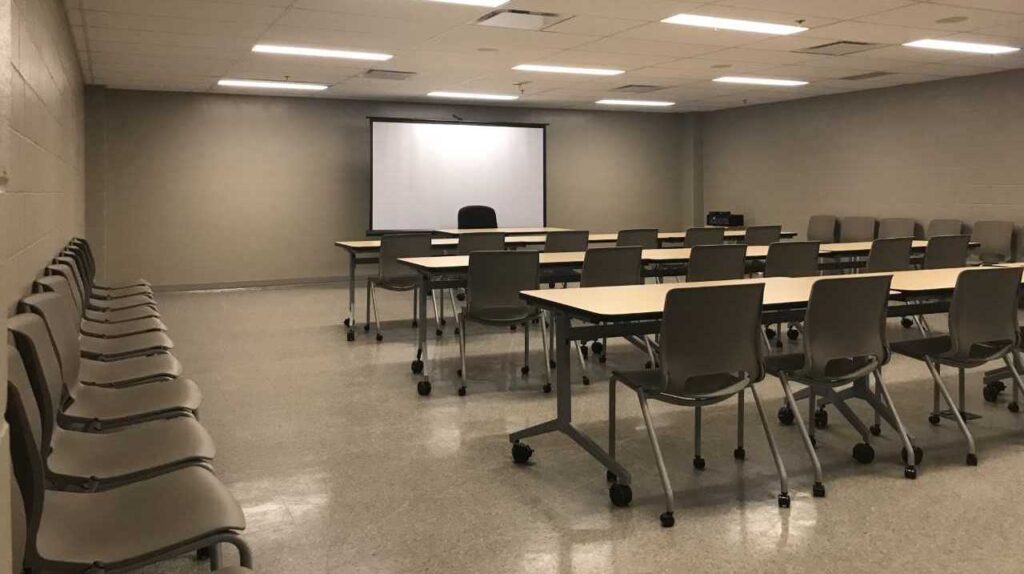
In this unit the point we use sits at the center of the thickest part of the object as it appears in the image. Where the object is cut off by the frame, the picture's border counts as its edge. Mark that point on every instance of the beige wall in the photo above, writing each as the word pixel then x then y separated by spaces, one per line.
pixel 42 202
pixel 190 189
pixel 947 149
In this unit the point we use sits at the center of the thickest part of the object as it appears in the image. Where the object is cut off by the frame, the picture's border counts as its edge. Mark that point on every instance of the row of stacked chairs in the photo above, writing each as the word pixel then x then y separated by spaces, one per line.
pixel 112 469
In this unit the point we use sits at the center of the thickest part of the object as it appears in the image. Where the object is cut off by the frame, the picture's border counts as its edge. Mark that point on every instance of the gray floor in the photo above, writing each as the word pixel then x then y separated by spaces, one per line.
pixel 341 467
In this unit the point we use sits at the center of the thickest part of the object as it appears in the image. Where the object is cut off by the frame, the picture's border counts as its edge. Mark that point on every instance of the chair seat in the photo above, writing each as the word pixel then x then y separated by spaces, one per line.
pixel 504 315
pixel 117 527
pixel 702 390
pixel 138 402
pixel 122 315
pixel 837 371
pixel 131 451
pixel 938 349
pixel 123 284
pixel 129 371
pixel 114 330
pixel 112 348
pixel 121 292
pixel 397 283
pixel 122 303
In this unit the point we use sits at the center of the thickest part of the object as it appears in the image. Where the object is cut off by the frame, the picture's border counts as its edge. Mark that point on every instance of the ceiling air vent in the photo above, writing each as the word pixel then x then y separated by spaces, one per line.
pixel 637 88
pixel 521 19
pixel 867 76
pixel 387 74
pixel 840 48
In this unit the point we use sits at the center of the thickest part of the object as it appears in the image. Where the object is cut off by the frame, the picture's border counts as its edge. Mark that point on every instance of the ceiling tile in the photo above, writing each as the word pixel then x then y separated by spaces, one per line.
pixel 474 37
pixel 928 16
pixel 1015 6
pixel 871 32
pixel 651 10
pixel 196 9
pixel 594 25
pixel 751 54
pixel 620 45
pixel 690 35
pixel 838 9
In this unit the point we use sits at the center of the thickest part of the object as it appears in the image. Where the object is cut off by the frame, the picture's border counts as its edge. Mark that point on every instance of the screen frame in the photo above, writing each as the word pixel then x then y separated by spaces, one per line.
pixel 544 141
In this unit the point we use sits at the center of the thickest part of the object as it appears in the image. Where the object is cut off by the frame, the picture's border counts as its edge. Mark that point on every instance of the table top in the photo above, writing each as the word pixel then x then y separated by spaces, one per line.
pixel 505 230
pixel 933 280
pixel 857 247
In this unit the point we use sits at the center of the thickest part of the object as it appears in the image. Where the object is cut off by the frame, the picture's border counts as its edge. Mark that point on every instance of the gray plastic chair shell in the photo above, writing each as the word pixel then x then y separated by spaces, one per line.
pixel 983 312
pixel 611 266
pixel 792 259
pixel 857 228
pixel 645 238
pixel 945 251
pixel 716 263
pixel 704 236
pixel 995 239
pixel 763 234
pixel 821 228
pixel 893 227
pixel 938 227
pixel 566 241
pixel 889 255
pixel 483 241
pixel 392 274
pixel 493 283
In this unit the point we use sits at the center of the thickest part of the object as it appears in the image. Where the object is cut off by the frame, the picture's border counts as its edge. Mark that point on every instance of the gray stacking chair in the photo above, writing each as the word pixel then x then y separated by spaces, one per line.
pixel 821 228
pixel 493 283
pixel 894 227
pixel 644 238
pixel 173 514
pixel 394 276
pixel 99 303
pixel 63 329
pixel 87 250
pixel 982 328
pixel 857 229
pixel 716 263
pixel 55 283
pixel 791 259
pixel 470 242
pixel 995 239
pixel 565 241
pixel 945 251
pixel 938 227
pixel 889 255
pixel 611 267
pixel 844 344
pixel 79 406
pixel 710 351
pixel 85 264
pixel 704 236
pixel 763 235
pixel 65 266
pixel 99 461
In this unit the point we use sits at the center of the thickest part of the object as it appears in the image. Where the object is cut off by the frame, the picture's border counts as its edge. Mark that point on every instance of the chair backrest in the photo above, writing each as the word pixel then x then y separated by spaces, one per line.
pixel 945 251
pixel 64 272
pixel 944 227
pixel 610 266
pixel 645 238
pixel 716 263
pixel 995 240
pixel 28 489
pixel 821 228
pixel 984 310
pixel 59 316
pixel 18 381
pixel 857 229
pixel 763 234
pixel 566 241
pixel 704 236
pixel 37 354
pixel 396 246
pixel 792 259
pixel 86 249
pixel 84 266
pixel 495 279
pixel 486 241
pixel 707 332
pixel 477 217
pixel 889 255
pixel 892 227
pixel 845 321
pixel 84 287
pixel 19 527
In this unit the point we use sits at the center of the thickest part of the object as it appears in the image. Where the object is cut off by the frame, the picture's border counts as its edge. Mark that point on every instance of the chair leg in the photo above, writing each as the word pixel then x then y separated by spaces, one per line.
pixel 612 383
pixel 972 457
pixel 215 557
pixel 667 519
pixel 740 453
pixel 376 319
pixel 812 405
pixel 546 341
pixel 369 286
pixel 583 361
pixel 1017 383
pixel 779 465
pixel 650 352
pixel 911 469
pixel 526 348
pixel 462 352
pixel 455 309
pixel 415 306
pixel 698 460
pixel 819 486
pixel 438 313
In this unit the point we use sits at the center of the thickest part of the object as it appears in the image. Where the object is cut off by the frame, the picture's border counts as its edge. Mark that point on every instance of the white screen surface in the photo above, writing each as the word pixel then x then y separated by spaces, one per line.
pixel 424 172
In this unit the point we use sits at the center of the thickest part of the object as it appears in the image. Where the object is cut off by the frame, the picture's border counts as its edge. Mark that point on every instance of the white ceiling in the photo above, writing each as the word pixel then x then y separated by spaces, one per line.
pixel 187 45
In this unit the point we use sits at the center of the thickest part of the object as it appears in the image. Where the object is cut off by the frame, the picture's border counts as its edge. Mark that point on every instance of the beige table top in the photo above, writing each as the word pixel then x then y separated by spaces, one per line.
pixel 931 280
pixel 852 247
pixel 505 230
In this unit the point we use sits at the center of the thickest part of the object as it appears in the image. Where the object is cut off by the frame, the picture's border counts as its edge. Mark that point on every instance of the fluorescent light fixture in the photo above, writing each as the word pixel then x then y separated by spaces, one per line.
pixel 731 24
pixel 267 85
pixel 970 47
pixel 472 96
pixel 567 70
pixel 319 52
pixel 487 3
pixel 759 81
pixel 647 103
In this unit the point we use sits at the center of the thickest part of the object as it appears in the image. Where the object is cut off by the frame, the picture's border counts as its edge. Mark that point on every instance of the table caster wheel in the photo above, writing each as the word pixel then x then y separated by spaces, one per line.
pixel 648 365
pixel 769 332
pixel 863 453
pixel 597 347
pixel 972 459
pixel 793 334
pixel 918 455
pixel 380 337
pixel 350 336
pixel 620 494
pixel 457 330
pixel 739 454
pixel 1013 407
pixel 551 364
pixel 586 380
pixel 667 520
pixel 786 416
pixel 778 343
pixel 423 388
pixel 602 359
pixel 991 393
pixel 784 500
pixel 462 391
pixel 821 419
pixel 203 554
pixel 910 472
pixel 525 371
pixel 438 332
pixel 521 453
pixel 417 367
pixel 366 328
pixel 934 419
pixel 699 463
pixel 818 490
pixel 444 322
pixel 511 327
pixel 547 387
pixel 415 324
pixel 906 322
pixel 875 430
pixel 458 373
pixel 610 476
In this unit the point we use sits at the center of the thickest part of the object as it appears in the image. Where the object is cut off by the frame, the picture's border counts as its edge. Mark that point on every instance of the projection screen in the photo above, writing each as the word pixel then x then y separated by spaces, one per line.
pixel 424 171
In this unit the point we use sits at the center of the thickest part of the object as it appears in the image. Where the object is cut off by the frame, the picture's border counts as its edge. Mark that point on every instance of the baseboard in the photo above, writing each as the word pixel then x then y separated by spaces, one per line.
pixel 267 284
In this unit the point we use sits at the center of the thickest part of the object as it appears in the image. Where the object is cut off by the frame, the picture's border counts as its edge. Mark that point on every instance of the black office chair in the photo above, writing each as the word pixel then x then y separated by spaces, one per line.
pixel 477 217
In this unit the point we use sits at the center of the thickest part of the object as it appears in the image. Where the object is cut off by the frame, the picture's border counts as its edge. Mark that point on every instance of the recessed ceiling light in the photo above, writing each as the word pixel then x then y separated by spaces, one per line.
pixel 319 52
pixel 472 96
pixel 567 70
pixel 647 103
pixel 731 24
pixel 487 3
pixel 759 81
pixel 268 85
pixel 969 47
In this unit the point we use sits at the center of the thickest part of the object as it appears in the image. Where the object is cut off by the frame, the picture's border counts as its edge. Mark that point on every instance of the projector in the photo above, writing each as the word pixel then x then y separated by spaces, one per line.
pixel 725 219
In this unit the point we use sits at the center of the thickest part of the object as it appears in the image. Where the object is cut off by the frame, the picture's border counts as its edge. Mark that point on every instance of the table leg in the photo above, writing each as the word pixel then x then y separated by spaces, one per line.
pixel 351 321
pixel 419 363
pixel 563 396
